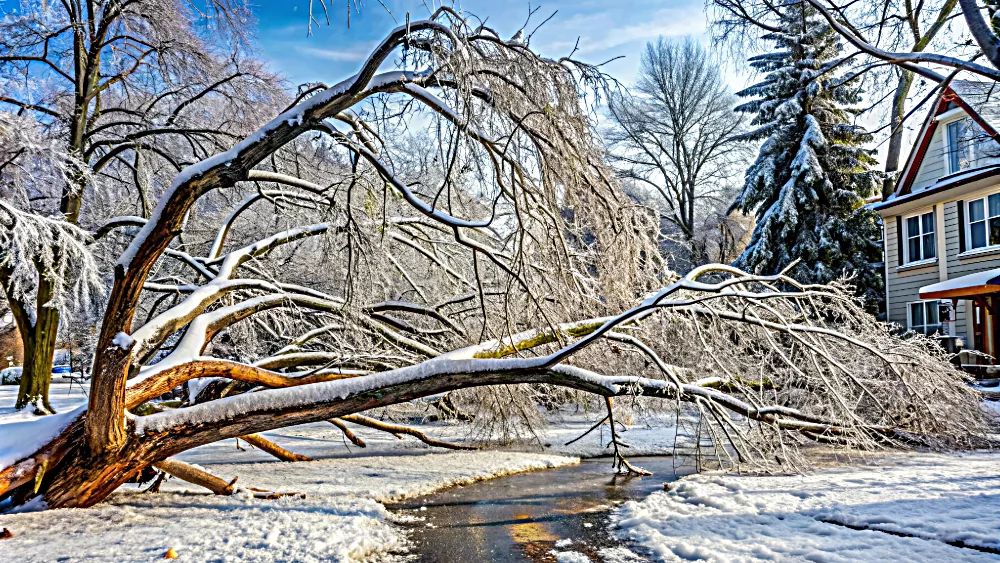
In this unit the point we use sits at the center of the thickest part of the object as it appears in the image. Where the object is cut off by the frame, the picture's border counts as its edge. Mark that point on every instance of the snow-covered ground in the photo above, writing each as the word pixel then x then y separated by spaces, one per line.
pixel 341 517
pixel 938 502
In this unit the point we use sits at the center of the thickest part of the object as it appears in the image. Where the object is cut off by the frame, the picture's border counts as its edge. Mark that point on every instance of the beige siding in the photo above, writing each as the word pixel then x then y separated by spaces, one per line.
pixel 903 285
pixel 932 167
pixel 955 267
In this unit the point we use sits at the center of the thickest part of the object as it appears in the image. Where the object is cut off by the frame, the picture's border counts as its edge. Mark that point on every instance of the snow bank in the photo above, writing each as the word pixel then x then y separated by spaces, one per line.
pixel 21 436
pixel 936 499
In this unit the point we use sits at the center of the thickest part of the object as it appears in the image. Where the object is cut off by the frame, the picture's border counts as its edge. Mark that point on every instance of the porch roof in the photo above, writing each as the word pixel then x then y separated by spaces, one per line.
pixel 979 283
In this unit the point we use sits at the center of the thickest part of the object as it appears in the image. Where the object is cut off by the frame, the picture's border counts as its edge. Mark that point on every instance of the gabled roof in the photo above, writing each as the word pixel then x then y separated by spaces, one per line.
pixel 978 99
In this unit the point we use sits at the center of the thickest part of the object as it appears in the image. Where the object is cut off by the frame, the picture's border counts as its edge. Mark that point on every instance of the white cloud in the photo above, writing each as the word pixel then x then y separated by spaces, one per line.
pixel 346 55
pixel 606 31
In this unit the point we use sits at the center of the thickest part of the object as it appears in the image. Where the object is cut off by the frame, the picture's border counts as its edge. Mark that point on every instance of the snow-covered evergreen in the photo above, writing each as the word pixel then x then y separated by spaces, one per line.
pixel 812 174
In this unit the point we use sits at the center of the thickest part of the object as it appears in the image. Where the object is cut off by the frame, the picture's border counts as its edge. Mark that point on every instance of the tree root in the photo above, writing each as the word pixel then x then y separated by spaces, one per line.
pixel 396 430
pixel 347 433
pixel 274 449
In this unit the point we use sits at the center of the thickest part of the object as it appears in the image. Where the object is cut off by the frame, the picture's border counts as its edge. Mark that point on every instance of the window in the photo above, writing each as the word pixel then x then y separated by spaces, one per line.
pixel 922 317
pixel 960 141
pixel 984 222
pixel 920 238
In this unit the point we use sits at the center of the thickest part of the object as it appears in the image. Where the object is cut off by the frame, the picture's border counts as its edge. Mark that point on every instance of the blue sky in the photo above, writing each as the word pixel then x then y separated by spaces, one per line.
pixel 606 29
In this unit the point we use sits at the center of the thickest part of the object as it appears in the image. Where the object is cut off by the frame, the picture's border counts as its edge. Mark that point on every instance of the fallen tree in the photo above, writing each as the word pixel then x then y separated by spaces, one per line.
pixel 520 262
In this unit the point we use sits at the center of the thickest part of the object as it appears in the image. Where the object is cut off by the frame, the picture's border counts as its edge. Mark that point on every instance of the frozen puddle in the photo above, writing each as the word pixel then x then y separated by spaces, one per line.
pixel 561 514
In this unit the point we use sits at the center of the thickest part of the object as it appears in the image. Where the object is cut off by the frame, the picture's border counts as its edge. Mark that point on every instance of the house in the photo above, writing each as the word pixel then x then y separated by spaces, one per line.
pixel 941 225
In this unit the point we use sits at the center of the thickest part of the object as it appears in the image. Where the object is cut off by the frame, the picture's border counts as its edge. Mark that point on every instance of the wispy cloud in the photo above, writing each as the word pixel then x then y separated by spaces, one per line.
pixel 601 32
pixel 342 55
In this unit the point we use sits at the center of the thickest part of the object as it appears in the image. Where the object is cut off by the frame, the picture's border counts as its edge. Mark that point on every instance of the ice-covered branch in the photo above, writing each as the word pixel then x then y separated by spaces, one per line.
pixel 151 335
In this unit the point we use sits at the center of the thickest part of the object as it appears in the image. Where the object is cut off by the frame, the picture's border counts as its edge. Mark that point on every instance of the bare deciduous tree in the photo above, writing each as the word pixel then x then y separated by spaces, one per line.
pixel 676 135
pixel 108 101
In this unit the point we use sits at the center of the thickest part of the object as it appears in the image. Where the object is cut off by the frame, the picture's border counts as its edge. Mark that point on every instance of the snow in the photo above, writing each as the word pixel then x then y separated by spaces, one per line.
pixel 985 277
pixel 342 517
pixel 23 436
pixel 942 183
pixel 22 433
pixel 570 557
pixel 230 408
pixel 938 499
pixel 934 499
pixel 123 341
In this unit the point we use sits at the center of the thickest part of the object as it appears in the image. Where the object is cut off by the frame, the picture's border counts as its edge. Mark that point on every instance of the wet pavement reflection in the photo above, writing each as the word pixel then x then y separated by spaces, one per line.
pixel 521 517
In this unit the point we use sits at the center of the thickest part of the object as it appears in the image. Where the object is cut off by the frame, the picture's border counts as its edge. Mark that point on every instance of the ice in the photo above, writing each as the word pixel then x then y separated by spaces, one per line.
pixel 342 517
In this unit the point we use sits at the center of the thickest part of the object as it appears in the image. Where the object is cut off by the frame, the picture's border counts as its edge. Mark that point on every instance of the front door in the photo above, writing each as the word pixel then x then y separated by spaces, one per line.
pixel 984 319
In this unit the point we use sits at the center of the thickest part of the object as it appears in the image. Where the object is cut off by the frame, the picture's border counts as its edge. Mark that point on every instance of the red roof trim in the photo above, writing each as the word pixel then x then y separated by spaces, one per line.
pixel 976 117
pixel 916 157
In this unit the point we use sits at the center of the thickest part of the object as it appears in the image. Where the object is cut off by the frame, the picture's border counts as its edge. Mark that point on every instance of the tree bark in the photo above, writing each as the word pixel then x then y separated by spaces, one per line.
pixel 270 447
pixel 192 474
pixel 39 348
pixel 896 131
pixel 396 429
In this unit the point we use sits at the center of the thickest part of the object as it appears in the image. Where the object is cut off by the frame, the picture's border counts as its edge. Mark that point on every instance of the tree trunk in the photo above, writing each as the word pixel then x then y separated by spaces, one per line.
pixel 39 349
pixel 896 131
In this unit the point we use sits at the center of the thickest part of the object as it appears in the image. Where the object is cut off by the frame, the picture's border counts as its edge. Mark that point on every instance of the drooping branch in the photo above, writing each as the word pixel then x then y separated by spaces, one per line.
pixel 105 427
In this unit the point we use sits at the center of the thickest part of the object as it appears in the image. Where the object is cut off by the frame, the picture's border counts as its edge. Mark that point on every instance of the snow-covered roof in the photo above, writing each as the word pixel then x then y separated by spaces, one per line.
pixel 974 283
pixel 946 182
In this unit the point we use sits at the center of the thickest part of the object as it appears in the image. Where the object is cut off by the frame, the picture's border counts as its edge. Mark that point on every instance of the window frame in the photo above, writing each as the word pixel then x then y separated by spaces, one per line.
pixel 925 303
pixel 907 260
pixel 947 143
pixel 985 198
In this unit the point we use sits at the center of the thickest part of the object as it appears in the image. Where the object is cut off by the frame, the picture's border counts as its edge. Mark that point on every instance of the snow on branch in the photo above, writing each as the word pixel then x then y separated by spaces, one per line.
pixel 32 245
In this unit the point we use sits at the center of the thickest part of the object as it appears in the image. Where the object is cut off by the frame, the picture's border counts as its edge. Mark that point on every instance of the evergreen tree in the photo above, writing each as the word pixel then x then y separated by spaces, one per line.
pixel 812 175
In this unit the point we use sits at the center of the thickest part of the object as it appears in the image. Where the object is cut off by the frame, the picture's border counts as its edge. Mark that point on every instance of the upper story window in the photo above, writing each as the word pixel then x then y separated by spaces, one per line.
pixel 967 146
pixel 984 222
pixel 919 243
pixel 960 148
